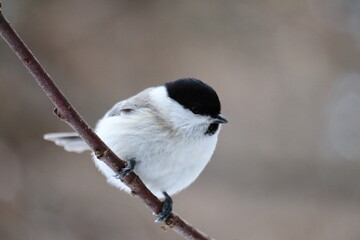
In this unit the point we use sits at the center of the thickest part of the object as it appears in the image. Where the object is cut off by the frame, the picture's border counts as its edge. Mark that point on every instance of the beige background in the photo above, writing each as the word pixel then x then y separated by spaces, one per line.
pixel 287 72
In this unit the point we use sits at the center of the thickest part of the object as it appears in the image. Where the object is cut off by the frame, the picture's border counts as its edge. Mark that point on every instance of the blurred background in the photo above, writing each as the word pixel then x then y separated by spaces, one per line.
pixel 287 166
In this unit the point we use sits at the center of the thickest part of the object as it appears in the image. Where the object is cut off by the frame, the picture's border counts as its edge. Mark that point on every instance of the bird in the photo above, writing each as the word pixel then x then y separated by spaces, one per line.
pixel 166 134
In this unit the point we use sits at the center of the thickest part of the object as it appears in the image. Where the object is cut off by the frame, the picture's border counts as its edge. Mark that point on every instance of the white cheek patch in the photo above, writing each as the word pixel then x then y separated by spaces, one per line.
pixel 179 116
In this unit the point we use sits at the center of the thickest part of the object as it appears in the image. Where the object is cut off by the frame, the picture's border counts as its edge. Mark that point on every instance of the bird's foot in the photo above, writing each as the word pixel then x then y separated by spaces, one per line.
pixel 126 170
pixel 166 209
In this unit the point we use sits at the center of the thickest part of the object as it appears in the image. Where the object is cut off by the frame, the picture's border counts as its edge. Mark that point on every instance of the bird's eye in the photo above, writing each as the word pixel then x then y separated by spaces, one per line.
pixel 195 110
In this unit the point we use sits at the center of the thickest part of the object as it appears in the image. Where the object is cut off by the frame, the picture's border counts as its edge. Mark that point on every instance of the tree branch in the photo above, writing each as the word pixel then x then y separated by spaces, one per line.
pixel 67 113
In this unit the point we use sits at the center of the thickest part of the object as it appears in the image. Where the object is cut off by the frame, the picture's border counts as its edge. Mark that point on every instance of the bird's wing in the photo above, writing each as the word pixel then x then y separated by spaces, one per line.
pixel 131 105
pixel 71 140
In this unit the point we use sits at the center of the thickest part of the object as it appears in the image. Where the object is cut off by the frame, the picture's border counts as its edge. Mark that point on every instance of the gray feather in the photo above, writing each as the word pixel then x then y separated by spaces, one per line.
pixel 70 141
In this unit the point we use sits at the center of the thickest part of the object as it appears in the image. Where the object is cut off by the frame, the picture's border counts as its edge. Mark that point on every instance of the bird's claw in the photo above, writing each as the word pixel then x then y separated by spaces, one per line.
pixel 166 209
pixel 126 170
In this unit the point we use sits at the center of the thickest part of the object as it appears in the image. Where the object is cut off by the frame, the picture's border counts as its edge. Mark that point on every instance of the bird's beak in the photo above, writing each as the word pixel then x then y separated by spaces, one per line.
pixel 220 119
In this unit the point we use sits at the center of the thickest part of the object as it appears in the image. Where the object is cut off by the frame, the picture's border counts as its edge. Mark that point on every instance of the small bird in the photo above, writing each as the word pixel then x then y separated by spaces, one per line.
pixel 167 134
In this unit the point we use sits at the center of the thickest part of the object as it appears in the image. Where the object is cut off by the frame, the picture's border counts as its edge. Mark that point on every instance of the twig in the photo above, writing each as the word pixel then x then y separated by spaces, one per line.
pixel 66 112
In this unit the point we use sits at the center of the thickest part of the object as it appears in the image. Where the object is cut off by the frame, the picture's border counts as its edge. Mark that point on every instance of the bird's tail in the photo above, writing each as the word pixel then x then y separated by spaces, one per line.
pixel 70 141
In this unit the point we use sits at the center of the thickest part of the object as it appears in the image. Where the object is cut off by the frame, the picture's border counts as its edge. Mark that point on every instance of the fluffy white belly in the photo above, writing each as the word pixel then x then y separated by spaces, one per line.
pixel 163 162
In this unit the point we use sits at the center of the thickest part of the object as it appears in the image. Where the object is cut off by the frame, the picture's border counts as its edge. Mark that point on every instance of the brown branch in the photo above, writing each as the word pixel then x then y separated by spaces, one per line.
pixel 66 112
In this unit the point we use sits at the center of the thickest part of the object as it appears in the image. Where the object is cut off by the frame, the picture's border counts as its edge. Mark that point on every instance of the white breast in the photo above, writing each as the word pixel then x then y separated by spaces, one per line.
pixel 165 161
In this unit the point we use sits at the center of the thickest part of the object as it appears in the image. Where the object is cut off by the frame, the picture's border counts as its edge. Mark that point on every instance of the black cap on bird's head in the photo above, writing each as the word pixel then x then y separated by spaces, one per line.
pixel 196 96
